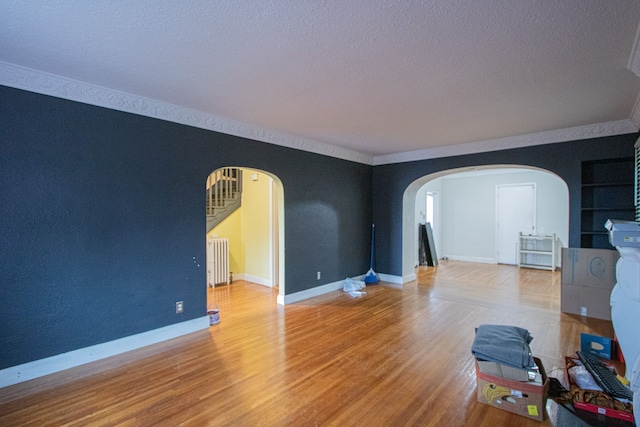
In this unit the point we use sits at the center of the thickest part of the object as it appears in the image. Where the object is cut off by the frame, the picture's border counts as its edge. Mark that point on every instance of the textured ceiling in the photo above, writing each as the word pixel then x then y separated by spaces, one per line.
pixel 378 77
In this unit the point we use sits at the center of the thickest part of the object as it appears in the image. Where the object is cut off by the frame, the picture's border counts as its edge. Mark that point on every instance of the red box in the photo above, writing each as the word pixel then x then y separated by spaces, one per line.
pixel 520 397
pixel 609 412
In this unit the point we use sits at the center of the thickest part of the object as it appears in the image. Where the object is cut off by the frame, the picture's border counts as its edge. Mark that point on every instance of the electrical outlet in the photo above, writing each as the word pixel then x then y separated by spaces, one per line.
pixel 179 307
pixel 318 276
pixel 583 311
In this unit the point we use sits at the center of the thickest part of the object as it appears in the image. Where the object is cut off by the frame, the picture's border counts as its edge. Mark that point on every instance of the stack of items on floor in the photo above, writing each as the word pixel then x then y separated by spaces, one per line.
pixel 586 391
pixel 354 287
pixel 508 376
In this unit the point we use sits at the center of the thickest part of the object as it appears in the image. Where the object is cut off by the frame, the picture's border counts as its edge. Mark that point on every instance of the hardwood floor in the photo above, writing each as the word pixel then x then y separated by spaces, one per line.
pixel 399 355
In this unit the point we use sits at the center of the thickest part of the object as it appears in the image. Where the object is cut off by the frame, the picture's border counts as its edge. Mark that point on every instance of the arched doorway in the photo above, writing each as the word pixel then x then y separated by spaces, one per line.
pixel 470 223
pixel 251 217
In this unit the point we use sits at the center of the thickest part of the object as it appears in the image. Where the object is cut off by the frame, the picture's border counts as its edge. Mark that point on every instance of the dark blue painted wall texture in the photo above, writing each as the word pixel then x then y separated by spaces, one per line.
pixel 103 226
pixel 103 222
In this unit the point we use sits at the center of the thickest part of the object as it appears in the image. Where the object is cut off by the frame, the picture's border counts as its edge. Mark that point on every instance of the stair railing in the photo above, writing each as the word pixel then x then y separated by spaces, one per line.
pixel 224 183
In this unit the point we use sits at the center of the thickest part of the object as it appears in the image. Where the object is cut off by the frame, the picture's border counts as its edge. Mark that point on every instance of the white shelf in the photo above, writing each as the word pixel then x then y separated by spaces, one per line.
pixel 537 251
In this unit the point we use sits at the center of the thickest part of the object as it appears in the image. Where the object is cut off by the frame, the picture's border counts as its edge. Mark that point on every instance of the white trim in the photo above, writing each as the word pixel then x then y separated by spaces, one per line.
pixel 620 127
pixel 253 279
pixel 405 279
pixel 61 87
pixel 482 260
pixel 60 362
pixel 330 287
pixel 399 280
pixel 310 293
pixel 314 292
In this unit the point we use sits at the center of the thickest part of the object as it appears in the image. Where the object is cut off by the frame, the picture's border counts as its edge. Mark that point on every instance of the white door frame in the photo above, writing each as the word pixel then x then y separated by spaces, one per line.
pixel 275 233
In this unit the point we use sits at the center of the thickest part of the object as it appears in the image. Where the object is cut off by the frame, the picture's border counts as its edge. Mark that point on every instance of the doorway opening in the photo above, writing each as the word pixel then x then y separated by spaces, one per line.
pixel 465 211
pixel 251 222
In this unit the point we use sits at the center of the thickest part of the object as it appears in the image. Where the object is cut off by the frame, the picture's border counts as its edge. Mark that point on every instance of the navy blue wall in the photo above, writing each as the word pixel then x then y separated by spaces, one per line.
pixel 103 223
pixel 103 228
pixel 563 159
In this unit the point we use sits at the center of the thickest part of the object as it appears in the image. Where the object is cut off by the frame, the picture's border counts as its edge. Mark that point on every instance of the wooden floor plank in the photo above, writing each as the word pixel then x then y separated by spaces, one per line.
pixel 399 355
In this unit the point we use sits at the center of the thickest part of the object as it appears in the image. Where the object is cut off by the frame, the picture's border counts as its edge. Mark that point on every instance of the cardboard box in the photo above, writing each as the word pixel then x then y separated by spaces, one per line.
pixel 598 346
pixel 589 302
pixel 593 268
pixel 587 278
pixel 626 415
pixel 503 371
pixel 519 397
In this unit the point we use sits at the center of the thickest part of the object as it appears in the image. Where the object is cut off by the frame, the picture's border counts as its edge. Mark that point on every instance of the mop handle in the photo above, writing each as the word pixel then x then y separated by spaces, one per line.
pixel 373 227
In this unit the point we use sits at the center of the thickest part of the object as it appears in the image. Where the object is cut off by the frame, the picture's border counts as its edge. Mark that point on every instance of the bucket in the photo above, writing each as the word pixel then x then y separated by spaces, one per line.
pixel 214 315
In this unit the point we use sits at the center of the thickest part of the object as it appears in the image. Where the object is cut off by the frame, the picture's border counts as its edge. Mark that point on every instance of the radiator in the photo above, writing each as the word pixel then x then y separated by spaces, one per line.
pixel 217 261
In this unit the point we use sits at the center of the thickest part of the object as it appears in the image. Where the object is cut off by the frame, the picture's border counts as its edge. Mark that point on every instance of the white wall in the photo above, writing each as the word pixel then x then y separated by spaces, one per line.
pixel 468 210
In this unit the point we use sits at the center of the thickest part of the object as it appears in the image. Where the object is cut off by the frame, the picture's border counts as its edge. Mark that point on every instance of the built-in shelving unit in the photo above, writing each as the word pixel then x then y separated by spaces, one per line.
pixel 536 251
pixel 607 192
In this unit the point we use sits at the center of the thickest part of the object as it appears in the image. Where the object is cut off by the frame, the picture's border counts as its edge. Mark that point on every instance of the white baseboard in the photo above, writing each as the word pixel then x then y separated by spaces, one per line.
pixel 253 279
pixel 310 293
pixel 472 259
pixel 399 280
pixel 409 278
pixel 39 368
pixel 330 287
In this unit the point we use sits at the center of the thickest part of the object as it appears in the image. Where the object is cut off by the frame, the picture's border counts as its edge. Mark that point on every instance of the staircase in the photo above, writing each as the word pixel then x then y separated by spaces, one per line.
pixel 224 195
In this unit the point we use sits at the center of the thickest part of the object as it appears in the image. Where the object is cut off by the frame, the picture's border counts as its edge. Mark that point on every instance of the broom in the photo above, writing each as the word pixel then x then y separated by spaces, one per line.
pixel 371 276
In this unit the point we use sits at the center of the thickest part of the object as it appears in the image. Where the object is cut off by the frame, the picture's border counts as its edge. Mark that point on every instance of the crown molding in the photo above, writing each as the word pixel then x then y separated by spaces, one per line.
pixel 61 87
pixel 549 137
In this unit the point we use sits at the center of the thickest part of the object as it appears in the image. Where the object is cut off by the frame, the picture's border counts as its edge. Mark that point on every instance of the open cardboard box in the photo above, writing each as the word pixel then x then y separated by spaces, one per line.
pixel 503 371
pixel 588 400
pixel 527 398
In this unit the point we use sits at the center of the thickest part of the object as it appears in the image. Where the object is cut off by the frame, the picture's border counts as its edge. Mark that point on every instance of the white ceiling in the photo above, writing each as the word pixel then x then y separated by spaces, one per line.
pixel 373 80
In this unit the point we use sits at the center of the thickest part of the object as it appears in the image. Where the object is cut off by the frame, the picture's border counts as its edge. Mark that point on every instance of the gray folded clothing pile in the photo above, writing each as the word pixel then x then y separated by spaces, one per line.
pixel 507 345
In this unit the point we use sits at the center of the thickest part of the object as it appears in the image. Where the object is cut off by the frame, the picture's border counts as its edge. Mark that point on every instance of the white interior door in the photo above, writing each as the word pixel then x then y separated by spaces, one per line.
pixel 515 213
